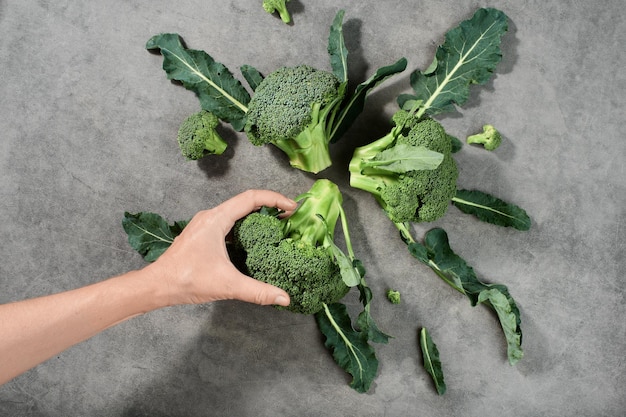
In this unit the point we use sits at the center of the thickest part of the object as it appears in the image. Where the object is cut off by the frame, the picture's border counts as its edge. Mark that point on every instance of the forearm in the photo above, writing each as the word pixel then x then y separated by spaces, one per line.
pixel 35 330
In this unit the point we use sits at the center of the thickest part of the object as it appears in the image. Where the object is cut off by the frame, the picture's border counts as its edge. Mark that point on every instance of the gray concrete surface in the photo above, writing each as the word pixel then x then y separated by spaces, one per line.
pixel 88 121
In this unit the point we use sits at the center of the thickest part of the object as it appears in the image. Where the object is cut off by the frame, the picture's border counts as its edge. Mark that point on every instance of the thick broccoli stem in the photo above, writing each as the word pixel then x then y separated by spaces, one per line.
pixel 309 150
pixel 363 175
pixel 315 219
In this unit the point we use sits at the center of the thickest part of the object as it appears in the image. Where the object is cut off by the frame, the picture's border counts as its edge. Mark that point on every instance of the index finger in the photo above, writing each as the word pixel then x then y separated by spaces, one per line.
pixel 245 203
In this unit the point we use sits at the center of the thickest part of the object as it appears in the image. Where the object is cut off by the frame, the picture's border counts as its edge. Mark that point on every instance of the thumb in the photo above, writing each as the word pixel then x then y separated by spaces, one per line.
pixel 253 291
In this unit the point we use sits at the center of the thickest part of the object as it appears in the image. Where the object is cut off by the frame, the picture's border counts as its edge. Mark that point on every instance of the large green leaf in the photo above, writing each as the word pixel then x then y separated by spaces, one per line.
pixel 439 256
pixel 350 348
pixel 491 209
pixel 469 55
pixel 403 158
pixel 432 363
pixel 217 89
pixel 337 48
pixel 150 234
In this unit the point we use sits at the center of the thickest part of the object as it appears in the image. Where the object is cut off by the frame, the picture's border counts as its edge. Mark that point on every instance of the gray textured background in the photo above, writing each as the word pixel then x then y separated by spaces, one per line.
pixel 88 122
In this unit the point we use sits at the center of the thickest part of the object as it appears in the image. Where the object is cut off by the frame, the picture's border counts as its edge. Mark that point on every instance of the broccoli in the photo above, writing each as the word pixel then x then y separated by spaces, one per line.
pixel 393 296
pixel 297 253
pixel 299 109
pixel 197 136
pixel 490 138
pixel 410 171
pixel 279 6
pixel 291 109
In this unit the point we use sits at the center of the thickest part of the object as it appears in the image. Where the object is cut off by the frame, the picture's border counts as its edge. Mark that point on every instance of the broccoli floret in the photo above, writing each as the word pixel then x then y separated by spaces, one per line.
pixel 197 136
pixel 490 138
pixel 393 296
pixel 295 253
pixel 279 6
pixel 292 108
pixel 407 192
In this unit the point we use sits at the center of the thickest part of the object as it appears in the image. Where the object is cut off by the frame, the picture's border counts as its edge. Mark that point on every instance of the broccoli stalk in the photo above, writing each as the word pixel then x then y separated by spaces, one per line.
pixel 490 138
pixel 279 6
pixel 409 171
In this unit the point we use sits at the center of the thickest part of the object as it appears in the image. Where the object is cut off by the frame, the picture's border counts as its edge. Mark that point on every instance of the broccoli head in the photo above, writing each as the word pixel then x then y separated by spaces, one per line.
pixel 279 6
pixel 292 108
pixel 490 138
pixel 393 296
pixel 410 171
pixel 295 252
pixel 198 137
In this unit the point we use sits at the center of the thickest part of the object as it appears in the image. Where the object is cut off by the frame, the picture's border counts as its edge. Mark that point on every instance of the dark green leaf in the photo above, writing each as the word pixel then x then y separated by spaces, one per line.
pixel 508 314
pixel 438 255
pixel 469 55
pixel 457 144
pixel 491 209
pixel 350 348
pixel 432 363
pixel 356 103
pixel 150 234
pixel 218 91
pixel 337 48
pixel 365 321
pixel 252 76
pixel 404 158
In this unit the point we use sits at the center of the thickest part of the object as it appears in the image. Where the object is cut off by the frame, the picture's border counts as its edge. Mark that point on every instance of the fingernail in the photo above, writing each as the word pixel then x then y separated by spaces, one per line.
pixel 281 300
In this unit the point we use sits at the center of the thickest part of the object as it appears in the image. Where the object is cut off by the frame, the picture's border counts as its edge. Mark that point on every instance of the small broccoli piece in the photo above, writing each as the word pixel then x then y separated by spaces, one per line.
pixel 408 194
pixel 295 253
pixel 293 109
pixel 393 296
pixel 279 6
pixel 490 138
pixel 197 136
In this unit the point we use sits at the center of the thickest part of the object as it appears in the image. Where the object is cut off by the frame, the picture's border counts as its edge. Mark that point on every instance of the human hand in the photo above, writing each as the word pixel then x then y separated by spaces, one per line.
pixel 196 267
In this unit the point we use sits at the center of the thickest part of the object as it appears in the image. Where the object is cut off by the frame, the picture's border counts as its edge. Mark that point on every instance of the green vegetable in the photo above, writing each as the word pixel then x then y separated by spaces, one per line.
pixel 491 209
pixel 410 171
pixel 432 363
pixel 468 56
pixel 393 296
pixel 437 254
pixel 300 110
pixel 149 234
pixel 279 6
pixel 197 136
pixel 490 138
pixel 294 253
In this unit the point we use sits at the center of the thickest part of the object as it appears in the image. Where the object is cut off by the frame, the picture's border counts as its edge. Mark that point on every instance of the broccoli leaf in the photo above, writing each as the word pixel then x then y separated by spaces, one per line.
pixel 365 321
pixel 468 56
pixel 491 209
pixel 337 48
pixel 350 348
pixel 432 363
pixel 252 76
pixel 356 103
pixel 216 87
pixel 150 234
pixel 437 254
pixel 404 157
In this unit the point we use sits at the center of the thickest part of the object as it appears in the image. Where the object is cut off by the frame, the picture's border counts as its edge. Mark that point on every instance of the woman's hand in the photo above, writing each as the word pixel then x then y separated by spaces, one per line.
pixel 196 267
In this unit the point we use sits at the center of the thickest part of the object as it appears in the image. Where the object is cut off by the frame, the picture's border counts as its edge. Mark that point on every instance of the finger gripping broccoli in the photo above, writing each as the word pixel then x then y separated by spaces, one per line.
pixel 279 6
pixel 407 194
pixel 490 138
pixel 292 108
pixel 294 252
pixel 198 137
